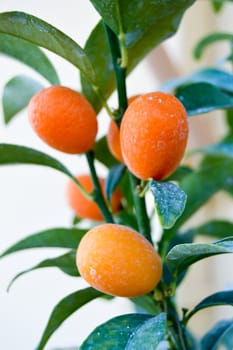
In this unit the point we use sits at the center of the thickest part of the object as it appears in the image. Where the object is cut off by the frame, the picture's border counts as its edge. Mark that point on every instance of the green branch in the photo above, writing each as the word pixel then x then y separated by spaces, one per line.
pixel 97 193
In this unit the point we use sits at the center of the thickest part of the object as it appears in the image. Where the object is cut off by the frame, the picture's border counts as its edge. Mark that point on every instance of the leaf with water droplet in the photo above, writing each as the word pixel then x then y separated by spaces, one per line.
pixel 170 202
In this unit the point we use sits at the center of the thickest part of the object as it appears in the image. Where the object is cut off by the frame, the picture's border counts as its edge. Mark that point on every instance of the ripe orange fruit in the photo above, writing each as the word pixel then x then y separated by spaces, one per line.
pixel 118 261
pixel 84 207
pixel 113 136
pixel 113 139
pixel 64 119
pixel 153 135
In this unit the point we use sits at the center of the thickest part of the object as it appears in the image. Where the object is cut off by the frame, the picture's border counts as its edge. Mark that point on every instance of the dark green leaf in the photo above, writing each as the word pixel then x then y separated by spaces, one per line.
pixel 145 25
pixel 199 98
pixel 229 117
pixel 210 39
pixel 43 34
pixel 182 256
pixel 114 177
pixel 222 332
pixel 222 149
pixel 115 333
pixel 17 94
pixel 76 220
pixel 102 153
pixel 55 238
pixel 65 262
pixel 135 19
pixel 215 228
pixel 179 238
pixel 180 173
pixel 200 187
pixel 65 308
pixel 219 78
pixel 148 335
pixel 14 154
pixel 169 202
pixel 28 54
pixel 216 299
pixel 217 4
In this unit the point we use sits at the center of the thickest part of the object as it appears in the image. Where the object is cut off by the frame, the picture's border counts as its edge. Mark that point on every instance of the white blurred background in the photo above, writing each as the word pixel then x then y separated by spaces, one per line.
pixel 33 198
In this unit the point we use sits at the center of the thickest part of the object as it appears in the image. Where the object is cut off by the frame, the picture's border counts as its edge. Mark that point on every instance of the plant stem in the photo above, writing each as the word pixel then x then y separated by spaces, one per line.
pixel 97 193
pixel 177 326
pixel 140 208
pixel 120 72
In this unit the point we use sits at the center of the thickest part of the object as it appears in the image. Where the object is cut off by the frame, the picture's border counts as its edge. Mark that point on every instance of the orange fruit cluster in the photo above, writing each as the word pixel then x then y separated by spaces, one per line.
pixel 84 207
pixel 64 119
pixel 118 261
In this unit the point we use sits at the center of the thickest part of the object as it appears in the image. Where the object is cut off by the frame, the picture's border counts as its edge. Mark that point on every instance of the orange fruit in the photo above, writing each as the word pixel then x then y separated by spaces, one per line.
pixel 84 207
pixel 113 139
pixel 64 119
pixel 153 135
pixel 113 136
pixel 118 261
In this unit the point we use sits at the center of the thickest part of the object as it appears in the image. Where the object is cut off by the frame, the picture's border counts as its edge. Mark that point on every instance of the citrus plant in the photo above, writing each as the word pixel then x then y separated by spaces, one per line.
pixel 116 251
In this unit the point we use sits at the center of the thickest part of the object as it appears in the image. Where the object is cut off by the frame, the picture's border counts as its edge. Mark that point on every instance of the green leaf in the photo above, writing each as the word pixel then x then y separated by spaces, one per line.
pixel 217 77
pixel 182 256
pixel 114 177
pixel 145 24
pixel 180 173
pixel 41 33
pixel 14 154
pixel 216 299
pixel 16 95
pixel 210 39
pixel 65 308
pixel 76 220
pixel 200 187
pixel 30 55
pixel 229 118
pixel 53 238
pixel 217 4
pixel 222 149
pixel 102 153
pixel 215 228
pixel 199 98
pixel 115 333
pixel 135 19
pixel 169 202
pixel 222 332
pixel 65 262
pixel 148 335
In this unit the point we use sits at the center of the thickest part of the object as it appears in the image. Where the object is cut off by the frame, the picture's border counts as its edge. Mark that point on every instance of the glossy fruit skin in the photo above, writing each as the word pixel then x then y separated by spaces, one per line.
pixel 118 261
pixel 82 206
pixel 64 119
pixel 153 135
pixel 113 136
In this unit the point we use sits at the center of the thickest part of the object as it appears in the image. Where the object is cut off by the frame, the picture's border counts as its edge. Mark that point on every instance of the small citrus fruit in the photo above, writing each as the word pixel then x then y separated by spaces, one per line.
pixel 84 207
pixel 153 135
pixel 64 119
pixel 113 139
pixel 113 136
pixel 118 261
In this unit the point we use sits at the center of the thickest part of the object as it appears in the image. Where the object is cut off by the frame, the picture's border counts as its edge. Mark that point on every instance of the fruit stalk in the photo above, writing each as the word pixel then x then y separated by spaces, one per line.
pixel 97 194
pixel 120 72
pixel 140 208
